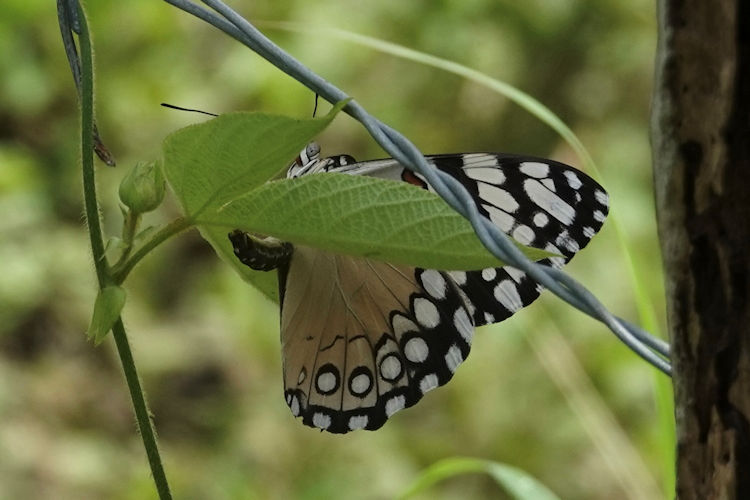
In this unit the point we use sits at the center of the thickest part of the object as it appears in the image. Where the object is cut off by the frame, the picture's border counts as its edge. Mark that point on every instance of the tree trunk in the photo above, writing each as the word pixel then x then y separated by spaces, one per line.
pixel 701 147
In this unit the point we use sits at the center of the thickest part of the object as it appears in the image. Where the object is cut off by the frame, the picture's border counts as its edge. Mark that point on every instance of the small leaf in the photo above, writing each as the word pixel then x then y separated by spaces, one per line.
pixel 210 163
pixel 518 484
pixel 362 216
pixel 113 245
pixel 107 308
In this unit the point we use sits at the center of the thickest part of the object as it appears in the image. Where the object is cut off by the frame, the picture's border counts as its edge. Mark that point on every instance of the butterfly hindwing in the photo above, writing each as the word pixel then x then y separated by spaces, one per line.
pixel 362 339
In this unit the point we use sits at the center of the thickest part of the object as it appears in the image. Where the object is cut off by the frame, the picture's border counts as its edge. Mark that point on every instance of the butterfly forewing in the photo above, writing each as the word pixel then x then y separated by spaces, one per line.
pixel 363 339
pixel 539 202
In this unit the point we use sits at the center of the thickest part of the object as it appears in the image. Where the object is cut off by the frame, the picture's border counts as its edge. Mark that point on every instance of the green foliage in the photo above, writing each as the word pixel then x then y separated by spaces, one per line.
pixel 207 344
pixel 518 484
pixel 362 216
pixel 107 308
pixel 212 163
pixel 219 169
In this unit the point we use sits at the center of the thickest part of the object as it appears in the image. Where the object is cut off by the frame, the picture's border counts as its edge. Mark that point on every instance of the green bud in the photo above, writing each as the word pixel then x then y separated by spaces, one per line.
pixel 143 189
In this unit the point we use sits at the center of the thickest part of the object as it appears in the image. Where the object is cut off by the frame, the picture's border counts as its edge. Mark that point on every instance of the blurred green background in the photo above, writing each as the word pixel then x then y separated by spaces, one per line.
pixel 550 391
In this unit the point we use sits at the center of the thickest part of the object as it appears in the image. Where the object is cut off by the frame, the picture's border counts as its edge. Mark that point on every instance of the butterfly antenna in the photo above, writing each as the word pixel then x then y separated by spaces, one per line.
pixel 187 109
pixel 315 109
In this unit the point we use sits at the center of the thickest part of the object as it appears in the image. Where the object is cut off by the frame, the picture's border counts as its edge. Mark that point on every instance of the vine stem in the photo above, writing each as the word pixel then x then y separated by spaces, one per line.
pixel 122 269
pixel 100 261
pixel 129 227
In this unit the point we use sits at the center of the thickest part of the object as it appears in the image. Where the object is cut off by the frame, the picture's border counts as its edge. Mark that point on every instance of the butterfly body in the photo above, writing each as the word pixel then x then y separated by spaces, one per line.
pixel 363 339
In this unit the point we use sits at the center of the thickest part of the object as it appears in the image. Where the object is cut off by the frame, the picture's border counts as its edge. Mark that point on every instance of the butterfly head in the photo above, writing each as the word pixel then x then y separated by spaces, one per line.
pixel 310 162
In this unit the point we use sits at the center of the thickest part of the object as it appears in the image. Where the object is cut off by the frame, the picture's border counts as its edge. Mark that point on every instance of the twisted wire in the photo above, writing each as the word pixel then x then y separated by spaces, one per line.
pixel 651 349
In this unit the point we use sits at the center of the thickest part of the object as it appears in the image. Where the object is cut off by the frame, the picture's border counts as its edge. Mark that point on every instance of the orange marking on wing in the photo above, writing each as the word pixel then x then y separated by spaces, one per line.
pixel 409 177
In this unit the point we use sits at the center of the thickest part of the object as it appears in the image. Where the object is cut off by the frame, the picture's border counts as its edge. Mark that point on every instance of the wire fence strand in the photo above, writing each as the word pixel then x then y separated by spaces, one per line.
pixel 653 350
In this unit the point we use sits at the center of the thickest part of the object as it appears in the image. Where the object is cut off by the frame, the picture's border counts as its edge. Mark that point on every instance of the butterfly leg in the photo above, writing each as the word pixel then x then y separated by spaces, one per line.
pixel 261 254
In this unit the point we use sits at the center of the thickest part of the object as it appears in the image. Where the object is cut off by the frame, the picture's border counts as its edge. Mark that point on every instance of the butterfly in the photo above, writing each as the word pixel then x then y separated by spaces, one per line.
pixel 363 339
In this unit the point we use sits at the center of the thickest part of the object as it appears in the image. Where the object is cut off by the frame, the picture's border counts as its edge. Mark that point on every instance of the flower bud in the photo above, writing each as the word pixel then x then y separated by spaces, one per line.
pixel 143 189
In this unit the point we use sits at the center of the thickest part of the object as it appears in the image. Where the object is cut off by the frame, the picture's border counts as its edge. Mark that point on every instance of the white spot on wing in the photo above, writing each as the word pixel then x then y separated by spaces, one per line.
pixel 523 234
pixel 394 404
pixel 473 160
pixel 433 283
pixel 540 219
pixel 601 197
pixel 515 273
pixel 507 294
pixel 321 420
pixel 485 174
pixel 458 276
pixel 361 384
pixel 535 169
pixel 573 180
pixel 326 382
pixel 549 201
pixel 294 406
pixel 589 232
pixel 416 350
pixel 428 383
pixel 499 197
pixel 402 325
pixel 463 324
pixel 453 358
pixel 564 240
pixel 469 305
pixel 499 218
pixel 557 262
pixel 489 274
pixel 549 184
pixel 358 422
pixel 489 318
pixel 426 313
pixel 390 367
pixel 599 216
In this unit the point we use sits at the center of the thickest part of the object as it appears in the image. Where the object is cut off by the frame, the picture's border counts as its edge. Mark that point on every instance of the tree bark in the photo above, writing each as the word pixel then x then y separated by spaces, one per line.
pixel 701 146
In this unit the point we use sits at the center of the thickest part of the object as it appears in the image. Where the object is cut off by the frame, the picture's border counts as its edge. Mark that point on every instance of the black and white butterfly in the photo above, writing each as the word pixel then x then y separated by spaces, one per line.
pixel 363 339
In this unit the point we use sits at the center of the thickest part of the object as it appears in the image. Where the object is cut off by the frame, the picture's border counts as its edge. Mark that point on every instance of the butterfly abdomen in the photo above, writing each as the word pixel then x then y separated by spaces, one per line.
pixel 260 254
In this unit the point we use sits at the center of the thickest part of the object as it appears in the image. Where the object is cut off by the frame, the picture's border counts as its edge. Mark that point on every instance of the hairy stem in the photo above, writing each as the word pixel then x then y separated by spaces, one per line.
pixel 102 271
pixel 87 159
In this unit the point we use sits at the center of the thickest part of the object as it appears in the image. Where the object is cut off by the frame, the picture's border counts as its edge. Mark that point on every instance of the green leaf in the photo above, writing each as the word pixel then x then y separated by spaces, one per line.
pixel 107 308
pixel 362 216
pixel 517 483
pixel 219 171
pixel 212 162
